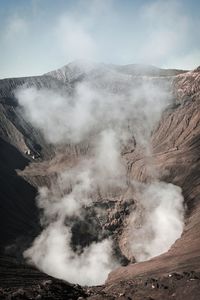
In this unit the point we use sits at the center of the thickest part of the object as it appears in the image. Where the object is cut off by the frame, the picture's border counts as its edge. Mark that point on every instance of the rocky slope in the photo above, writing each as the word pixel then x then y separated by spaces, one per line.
pixel 175 153
pixel 27 161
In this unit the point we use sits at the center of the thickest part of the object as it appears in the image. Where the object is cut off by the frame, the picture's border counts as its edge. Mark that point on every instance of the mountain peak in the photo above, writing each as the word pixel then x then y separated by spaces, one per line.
pixel 79 68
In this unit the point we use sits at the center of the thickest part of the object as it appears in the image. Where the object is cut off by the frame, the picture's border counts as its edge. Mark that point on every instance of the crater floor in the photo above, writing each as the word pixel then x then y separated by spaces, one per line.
pixel 175 153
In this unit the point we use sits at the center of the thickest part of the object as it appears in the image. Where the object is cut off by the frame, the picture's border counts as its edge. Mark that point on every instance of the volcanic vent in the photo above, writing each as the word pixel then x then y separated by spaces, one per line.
pixel 97 177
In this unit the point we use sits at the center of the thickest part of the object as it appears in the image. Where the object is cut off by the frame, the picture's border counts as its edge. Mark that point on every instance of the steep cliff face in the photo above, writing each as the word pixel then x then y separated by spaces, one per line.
pixel 28 161
pixel 20 144
pixel 14 127
pixel 175 144
pixel 23 142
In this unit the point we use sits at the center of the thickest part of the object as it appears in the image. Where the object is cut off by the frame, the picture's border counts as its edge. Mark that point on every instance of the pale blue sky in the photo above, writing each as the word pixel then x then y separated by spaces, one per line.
pixel 37 36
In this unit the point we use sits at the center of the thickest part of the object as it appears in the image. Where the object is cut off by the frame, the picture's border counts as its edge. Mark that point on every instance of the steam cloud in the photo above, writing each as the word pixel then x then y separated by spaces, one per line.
pixel 161 222
pixel 52 251
pixel 109 120
pixel 92 110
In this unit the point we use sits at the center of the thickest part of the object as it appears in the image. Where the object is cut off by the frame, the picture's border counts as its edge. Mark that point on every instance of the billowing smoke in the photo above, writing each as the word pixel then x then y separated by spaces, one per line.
pixel 108 114
pixel 91 109
pixel 158 221
pixel 52 251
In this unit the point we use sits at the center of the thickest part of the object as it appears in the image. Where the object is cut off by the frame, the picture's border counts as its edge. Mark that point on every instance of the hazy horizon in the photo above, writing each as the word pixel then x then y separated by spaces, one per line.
pixel 40 36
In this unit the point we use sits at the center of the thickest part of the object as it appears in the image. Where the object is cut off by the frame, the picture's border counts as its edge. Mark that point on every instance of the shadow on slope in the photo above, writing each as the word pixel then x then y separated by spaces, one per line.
pixel 19 222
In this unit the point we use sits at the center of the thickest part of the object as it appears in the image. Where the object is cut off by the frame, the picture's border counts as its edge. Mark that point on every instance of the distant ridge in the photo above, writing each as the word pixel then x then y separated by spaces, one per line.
pixel 79 68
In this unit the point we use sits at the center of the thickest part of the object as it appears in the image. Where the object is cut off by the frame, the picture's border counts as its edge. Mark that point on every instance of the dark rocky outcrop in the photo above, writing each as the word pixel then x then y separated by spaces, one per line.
pixel 19 281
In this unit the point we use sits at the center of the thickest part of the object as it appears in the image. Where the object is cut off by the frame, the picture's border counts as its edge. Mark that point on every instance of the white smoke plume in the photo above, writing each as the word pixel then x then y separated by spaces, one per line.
pixel 52 253
pixel 108 116
pixel 73 118
pixel 159 220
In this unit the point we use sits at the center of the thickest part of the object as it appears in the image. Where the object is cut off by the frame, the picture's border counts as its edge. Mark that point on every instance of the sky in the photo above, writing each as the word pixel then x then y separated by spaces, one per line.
pixel 37 36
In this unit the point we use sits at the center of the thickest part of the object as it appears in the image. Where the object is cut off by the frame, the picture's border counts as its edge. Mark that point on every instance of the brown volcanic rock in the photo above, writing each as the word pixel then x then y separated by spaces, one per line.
pixel 175 158
pixel 177 286
pixel 176 146
pixel 187 84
